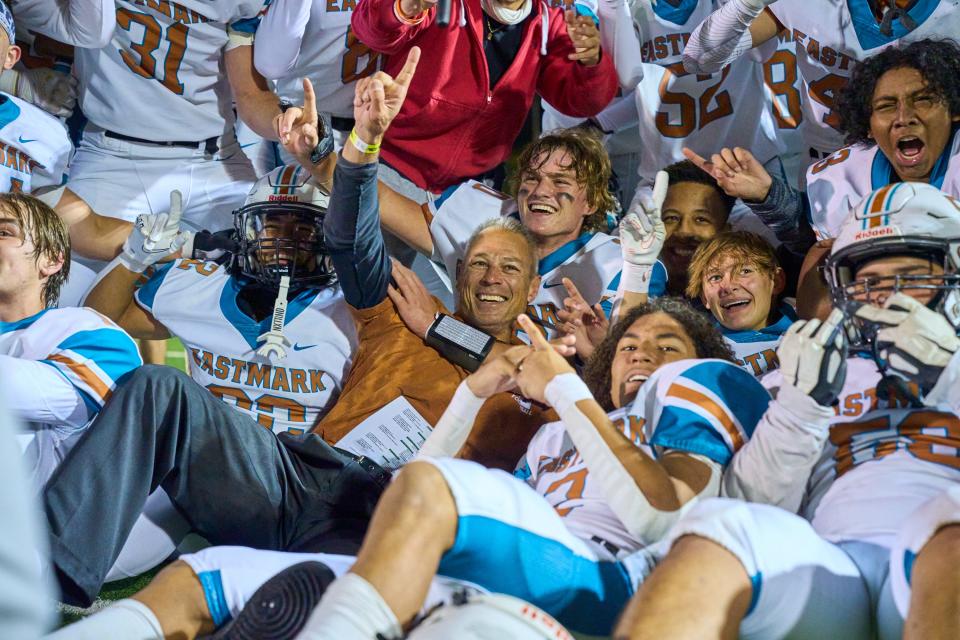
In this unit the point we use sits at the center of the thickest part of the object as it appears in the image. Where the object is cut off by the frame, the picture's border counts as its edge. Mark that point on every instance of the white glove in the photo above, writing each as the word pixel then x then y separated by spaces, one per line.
pixel 154 236
pixel 813 357
pixel 642 234
pixel 50 90
pixel 915 341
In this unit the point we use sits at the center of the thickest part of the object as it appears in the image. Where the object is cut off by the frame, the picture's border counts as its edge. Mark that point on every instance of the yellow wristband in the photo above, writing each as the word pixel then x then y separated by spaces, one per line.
pixel 362 146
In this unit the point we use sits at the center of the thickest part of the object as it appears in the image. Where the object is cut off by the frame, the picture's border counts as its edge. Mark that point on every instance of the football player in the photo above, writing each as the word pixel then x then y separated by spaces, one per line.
pixel 60 365
pixel 900 115
pixel 589 490
pixel 160 95
pixel 872 488
pixel 34 146
pixel 831 36
pixel 738 278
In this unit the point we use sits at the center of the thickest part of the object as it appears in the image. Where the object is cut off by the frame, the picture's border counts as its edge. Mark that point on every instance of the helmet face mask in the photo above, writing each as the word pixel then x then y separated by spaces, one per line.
pixel 907 239
pixel 280 232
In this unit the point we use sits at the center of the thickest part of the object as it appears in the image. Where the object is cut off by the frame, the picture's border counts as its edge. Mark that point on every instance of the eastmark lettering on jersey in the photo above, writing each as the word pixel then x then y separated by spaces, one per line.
pixel 22 141
pixel 297 347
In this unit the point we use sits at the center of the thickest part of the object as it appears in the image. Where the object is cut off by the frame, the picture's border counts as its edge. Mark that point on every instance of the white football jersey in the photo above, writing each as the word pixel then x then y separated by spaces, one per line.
pixel 165 59
pixel 87 349
pixel 831 36
pixel 330 55
pixel 704 407
pixel 784 91
pixel 34 147
pixel 843 179
pixel 703 112
pixel 197 302
pixel 592 261
pixel 756 351
pixel 880 462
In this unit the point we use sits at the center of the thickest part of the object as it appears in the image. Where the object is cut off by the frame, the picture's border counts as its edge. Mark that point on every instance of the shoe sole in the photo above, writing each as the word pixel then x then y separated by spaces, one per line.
pixel 279 609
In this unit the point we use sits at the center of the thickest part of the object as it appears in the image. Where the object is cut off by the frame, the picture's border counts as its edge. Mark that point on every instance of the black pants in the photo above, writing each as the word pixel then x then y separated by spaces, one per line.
pixel 233 480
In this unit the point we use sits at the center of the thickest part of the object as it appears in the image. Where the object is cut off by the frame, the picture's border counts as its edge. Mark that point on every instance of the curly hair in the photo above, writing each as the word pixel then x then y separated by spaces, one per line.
pixel 701 331
pixel 938 61
pixel 589 161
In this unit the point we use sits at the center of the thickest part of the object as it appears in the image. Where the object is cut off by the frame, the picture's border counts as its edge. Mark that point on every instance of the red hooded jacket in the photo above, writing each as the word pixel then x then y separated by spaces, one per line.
pixel 452 126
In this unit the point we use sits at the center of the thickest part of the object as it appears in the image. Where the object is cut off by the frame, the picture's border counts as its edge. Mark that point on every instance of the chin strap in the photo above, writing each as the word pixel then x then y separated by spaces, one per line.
pixel 275 343
pixel 891 13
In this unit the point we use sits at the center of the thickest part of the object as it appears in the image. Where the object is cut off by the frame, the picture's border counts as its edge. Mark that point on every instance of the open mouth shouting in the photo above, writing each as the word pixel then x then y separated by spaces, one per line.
pixel 910 151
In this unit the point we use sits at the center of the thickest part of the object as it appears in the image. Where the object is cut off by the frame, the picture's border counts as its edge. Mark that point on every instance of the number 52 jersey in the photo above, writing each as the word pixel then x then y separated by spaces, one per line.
pixel 161 77
pixel 197 302
pixel 703 112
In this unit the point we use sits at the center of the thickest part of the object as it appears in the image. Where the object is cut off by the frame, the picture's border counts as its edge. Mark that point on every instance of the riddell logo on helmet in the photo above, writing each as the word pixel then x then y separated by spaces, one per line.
pixel 281 198
pixel 874 233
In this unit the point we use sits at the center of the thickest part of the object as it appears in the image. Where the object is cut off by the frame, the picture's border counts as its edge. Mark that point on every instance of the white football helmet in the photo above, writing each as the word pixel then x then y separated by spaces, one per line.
pixel 280 230
pixel 906 218
pixel 484 616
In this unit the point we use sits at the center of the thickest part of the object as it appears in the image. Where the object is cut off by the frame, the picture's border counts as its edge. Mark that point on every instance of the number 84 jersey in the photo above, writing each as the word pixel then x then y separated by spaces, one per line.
pixel 161 76
pixel 703 112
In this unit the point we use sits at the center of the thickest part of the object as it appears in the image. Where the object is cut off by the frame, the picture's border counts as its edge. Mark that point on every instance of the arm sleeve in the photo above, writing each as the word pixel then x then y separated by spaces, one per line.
pixel 774 465
pixel 453 427
pixel 83 23
pixel 720 39
pixel 280 36
pixel 377 27
pixel 618 37
pixel 352 234
pixel 574 89
pixel 38 392
pixel 785 212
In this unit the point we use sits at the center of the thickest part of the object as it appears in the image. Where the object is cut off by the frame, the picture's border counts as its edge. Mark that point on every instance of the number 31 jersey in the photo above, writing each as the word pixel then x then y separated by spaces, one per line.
pixel 703 112
pixel 197 302
pixel 161 76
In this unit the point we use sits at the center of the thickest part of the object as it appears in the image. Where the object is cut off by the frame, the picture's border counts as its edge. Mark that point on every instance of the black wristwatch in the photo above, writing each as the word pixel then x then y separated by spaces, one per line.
pixel 325 147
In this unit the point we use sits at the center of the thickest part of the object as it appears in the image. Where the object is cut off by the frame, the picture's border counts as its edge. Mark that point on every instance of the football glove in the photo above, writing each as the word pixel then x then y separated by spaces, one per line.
pixel 50 90
pixel 642 234
pixel 913 340
pixel 154 236
pixel 813 357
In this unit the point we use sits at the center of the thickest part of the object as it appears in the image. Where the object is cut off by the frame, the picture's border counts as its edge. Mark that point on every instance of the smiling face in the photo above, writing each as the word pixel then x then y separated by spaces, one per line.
pixel 692 214
pixel 287 235
pixel 738 293
pixel 552 202
pixel 496 281
pixel 910 123
pixel 652 341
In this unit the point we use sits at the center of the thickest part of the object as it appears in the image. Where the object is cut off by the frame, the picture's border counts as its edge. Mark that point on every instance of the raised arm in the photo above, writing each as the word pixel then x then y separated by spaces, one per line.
pixel 647 494
pixel 352 225
pixel 728 33
pixel 81 23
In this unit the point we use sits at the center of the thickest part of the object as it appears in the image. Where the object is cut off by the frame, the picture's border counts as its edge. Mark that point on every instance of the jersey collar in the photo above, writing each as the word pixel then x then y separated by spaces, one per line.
pixel 563 253
pixel 882 173
pixel 787 317
pixel 246 326
pixel 7 327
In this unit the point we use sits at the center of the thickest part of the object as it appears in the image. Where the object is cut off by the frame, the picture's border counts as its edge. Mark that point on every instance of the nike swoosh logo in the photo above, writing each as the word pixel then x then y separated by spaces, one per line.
pixel 297 347
pixel 250 144
pixel 551 286
pixel 22 141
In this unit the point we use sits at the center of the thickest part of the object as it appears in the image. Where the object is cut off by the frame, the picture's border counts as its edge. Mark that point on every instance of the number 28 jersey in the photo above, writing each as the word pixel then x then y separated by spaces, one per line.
pixel 703 112
pixel 160 77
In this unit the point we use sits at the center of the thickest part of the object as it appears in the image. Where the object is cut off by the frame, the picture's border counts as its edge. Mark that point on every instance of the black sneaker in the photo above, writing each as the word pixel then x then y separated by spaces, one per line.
pixel 279 609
